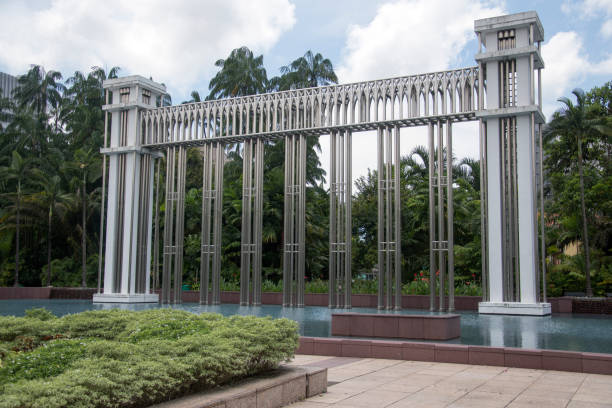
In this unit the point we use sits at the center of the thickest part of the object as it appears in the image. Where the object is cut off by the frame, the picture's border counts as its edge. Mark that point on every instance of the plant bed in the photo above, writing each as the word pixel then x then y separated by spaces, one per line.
pixel 119 358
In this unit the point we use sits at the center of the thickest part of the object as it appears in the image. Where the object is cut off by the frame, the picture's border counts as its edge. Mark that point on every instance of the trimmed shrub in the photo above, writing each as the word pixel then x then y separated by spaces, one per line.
pixel 121 358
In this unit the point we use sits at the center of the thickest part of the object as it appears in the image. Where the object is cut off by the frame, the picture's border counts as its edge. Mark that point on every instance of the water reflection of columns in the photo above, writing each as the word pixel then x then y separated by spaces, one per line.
pixel 529 332
pixel 389 220
pixel 340 226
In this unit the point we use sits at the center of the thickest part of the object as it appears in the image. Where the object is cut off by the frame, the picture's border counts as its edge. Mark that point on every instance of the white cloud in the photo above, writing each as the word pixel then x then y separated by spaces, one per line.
pixel 411 36
pixel 175 42
pixel 606 29
pixel 567 64
pixel 589 9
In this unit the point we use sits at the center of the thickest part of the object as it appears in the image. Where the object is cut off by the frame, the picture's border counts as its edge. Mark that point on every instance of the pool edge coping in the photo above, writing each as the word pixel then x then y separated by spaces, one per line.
pixel 558 360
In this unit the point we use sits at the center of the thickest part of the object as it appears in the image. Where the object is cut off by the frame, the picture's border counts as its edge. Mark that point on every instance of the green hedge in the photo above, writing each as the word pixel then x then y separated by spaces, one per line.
pixel 121 358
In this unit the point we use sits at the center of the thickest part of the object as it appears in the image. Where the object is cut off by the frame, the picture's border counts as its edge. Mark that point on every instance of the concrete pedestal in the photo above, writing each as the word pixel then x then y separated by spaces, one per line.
pixel 127 298
pixel 515 308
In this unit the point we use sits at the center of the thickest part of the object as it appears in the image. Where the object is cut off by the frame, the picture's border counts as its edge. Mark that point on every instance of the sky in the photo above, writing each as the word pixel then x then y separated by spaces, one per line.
pixel 178 42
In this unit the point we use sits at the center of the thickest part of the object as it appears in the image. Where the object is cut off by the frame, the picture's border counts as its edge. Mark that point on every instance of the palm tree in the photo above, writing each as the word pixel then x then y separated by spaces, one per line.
pixel 85 168
pixel 241 74
pixel 195 97
pixel 18 170
pixel 311 70
pixel 575 121
pixel 39 90
pixel 53 199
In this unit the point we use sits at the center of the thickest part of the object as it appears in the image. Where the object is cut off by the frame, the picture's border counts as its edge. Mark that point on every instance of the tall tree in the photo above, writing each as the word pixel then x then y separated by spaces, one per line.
pixel 240 74
pixel 52 199
pixel 85 168
pixel 575 126
pixel 39 90
pixel 18 171
pixel 195 97
pixel 311 70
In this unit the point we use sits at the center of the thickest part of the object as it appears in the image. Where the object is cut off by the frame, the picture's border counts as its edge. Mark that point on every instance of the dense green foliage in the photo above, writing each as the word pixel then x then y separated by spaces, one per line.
pixel 132 359
pixel 50 186
pixel 578 147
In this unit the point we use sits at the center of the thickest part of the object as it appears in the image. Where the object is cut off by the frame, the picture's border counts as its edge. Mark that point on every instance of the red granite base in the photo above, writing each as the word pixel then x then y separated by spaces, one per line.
pixel 396 326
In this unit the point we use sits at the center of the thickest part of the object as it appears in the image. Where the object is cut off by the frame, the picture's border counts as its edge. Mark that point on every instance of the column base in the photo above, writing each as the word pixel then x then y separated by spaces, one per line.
pixel 126 298
pixel 514 308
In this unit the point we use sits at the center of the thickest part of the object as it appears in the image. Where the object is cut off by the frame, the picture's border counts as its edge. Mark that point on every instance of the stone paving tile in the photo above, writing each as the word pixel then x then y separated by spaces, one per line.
pixel 373 399
pixel 308 404
pixel 598 379
pixel 342 374
pixel 583 404
pixel 301 359
pixel 402 385
pixel 375 383
pixel 496 386
pixel 426 398
pixel 334 395
pixel 542 400
pixel 480 399
pixel 599 396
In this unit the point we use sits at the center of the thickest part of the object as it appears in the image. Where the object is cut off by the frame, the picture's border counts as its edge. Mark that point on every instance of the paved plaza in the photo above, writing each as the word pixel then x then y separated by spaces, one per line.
pixel 372 383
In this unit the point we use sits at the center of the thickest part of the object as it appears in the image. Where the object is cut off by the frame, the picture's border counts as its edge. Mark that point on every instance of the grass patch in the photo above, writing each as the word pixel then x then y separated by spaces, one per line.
pixel 120 358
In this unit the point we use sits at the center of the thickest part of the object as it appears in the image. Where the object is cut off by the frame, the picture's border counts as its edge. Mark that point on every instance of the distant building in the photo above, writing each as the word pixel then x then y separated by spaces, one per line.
pixel 7 84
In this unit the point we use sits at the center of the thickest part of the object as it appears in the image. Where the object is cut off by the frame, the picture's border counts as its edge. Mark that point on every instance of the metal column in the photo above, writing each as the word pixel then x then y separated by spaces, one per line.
pixel 450 217
pixel 212 212
pixel 340 224
pixel 432 222
pixel 389 221
pixel 442 238
pixel 174 219
pixel 333 285
pixel 294 231
pixel 442 243
pixel 252 207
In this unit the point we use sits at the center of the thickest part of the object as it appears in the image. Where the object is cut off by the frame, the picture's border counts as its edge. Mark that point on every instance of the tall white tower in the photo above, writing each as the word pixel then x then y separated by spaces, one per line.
pixel 511 117
pixel 127 258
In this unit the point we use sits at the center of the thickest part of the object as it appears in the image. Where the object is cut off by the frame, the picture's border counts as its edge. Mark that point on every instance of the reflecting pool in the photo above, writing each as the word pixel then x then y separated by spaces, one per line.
pixel 592 333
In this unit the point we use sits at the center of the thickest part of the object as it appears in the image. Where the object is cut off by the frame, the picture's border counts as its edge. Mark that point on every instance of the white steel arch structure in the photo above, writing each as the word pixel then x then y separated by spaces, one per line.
pixel 436 100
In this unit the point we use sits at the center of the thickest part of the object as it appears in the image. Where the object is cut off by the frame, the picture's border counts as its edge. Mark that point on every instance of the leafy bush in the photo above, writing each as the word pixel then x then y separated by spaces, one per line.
pixel 269 286
pixel 316 286
pixel 40 313
pixel 133 359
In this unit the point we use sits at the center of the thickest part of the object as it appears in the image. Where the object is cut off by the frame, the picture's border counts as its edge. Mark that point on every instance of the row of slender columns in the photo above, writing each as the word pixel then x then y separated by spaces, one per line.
pixel 340 225
pixel 440 165
pixel 389 219
pixel 294 228
pixel 510 235
pixel 172 269
pixel 212 210
pixel 252 218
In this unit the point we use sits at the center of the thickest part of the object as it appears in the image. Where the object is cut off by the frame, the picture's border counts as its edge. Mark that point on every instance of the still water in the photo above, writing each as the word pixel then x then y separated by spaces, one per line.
pixel 591 333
